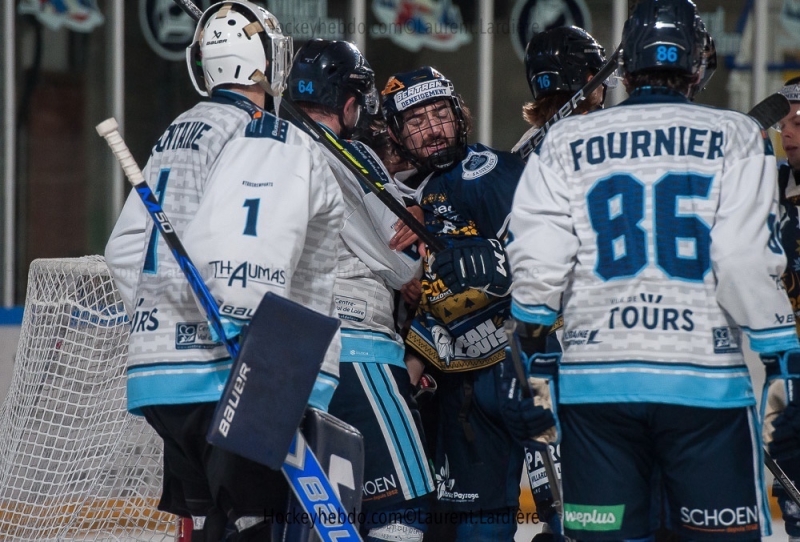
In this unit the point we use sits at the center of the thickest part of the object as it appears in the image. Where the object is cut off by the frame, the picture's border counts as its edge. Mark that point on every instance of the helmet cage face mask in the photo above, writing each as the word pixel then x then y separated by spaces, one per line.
pixel 417 90
pixel 233 40
pixel 561 60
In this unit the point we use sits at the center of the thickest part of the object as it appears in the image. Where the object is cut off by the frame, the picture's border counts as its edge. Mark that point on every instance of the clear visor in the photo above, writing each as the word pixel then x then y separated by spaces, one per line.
pixel 282 52
pixel 372 101
pixel 778 125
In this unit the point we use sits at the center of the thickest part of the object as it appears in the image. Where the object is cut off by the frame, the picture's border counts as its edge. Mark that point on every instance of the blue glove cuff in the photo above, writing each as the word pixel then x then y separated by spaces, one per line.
pixel 231 326
pixel 322 393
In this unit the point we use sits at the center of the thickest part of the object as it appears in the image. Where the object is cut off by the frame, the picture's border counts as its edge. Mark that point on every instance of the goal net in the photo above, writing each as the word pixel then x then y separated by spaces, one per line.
pixel 74 465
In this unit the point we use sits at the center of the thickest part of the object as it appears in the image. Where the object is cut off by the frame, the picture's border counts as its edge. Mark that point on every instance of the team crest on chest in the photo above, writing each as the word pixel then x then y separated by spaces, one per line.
pixel 477 164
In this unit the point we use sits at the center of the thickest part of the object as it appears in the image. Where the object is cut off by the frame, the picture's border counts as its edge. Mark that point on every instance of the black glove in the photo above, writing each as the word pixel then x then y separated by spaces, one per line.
pixel 473 263
pixel 781 405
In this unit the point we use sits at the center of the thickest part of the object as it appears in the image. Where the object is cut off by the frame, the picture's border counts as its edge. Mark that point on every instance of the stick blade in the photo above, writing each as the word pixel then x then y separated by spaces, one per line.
pixel 770 110
pixel 270 383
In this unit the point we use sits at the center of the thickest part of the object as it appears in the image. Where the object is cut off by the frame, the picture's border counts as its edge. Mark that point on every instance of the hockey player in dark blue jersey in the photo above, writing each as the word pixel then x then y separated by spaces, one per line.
pixel 465 193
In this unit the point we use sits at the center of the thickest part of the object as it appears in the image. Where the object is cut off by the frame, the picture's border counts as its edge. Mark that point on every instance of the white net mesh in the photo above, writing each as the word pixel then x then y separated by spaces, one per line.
pixel 74 465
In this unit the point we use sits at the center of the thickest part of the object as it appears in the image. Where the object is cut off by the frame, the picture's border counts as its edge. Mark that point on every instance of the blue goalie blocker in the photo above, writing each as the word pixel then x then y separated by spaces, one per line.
pixel 271 380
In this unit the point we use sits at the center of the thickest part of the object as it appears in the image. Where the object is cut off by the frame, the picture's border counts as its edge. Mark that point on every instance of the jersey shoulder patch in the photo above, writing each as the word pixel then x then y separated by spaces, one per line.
pixel 477 164
pixel 268 126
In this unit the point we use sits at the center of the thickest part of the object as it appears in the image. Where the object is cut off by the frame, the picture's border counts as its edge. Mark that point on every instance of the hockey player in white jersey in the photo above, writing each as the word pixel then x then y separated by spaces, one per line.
pixel 558 63
pixel 334 84
pixel 259 210
pixel 652 226
pixel 782 403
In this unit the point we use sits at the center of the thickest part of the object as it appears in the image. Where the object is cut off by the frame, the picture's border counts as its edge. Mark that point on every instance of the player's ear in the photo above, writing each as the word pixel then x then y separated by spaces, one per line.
pixel 351 111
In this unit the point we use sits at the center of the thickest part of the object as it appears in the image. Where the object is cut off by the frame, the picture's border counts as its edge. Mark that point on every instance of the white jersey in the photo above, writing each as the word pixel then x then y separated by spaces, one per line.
pixel 652 226
pixel 258 210
pixel 368 269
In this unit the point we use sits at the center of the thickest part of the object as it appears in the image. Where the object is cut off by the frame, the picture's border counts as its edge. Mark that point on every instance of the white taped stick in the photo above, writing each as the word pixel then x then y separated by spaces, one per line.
pixel 109 130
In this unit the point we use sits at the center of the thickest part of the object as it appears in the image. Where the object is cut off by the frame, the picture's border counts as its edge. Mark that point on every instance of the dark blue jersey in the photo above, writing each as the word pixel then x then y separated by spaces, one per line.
pixel 789 194
pixel 462 332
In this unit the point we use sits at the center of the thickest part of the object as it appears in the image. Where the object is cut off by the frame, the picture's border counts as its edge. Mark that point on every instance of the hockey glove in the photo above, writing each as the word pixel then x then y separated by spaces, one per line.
pixel 530 417
pixel 233 327
pixel 473 263
pixel 781 405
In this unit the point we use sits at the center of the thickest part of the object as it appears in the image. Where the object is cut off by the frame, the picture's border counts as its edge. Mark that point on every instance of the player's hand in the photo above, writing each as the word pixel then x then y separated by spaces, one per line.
pixel 411 292
pixel 528 419
pixel 405 237
pixel 473 263
pixel 781 407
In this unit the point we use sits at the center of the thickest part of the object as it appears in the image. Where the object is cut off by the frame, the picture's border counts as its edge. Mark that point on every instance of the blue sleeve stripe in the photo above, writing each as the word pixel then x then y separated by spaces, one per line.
pixel 773 339
pixel 533 314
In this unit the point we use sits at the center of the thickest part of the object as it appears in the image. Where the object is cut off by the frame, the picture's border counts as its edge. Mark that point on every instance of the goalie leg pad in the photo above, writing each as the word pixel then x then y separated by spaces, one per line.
pixel 339 447
pixel 271 381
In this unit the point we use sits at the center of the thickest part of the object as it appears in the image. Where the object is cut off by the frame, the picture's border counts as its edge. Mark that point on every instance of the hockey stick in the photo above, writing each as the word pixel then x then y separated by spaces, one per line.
pixel 780 476
pixel 568 108
pixel 770 110
pixel 547 460
pixel 301 467
pixel 311 128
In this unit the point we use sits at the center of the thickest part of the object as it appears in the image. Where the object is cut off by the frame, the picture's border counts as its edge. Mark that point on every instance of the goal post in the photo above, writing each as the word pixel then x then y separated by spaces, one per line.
pixel 74 464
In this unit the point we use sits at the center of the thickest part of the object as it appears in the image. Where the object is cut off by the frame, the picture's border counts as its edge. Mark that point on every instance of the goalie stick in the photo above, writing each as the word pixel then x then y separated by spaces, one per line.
pixel 311 128
pixel 301 468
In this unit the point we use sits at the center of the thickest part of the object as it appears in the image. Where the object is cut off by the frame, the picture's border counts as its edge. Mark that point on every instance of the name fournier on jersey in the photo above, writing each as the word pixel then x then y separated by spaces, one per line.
pixel 674 141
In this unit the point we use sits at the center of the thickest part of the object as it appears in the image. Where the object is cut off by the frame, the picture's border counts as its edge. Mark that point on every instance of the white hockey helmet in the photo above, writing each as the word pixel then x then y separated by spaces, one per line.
pixel 235 39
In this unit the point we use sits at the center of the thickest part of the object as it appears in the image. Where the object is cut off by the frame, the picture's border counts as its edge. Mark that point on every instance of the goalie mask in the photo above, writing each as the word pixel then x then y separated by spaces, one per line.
pixel 664 35
pixel 561 60
pixel 426 119
pixel 233 41
pixel 327 73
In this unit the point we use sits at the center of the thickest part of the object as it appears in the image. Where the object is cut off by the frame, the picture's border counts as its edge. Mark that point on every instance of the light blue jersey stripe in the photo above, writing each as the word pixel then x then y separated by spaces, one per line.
pixel 176 383
pixel 533 314
pixel 642 382
pixel 397 424
pixel 768 341
pixel 371 347
pixel 764 514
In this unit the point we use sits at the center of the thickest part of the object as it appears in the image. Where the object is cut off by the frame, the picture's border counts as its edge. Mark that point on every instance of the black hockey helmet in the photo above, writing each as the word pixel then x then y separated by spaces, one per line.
pixel 327 72
pixel 561 59
pixel 663 35
pixel 418 88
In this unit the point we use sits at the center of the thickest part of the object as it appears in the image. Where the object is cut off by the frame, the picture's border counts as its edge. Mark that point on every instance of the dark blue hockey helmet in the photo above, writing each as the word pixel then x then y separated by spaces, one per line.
pixel 405 92
pixel 561 60
pixel 327 72
pixel 663 35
